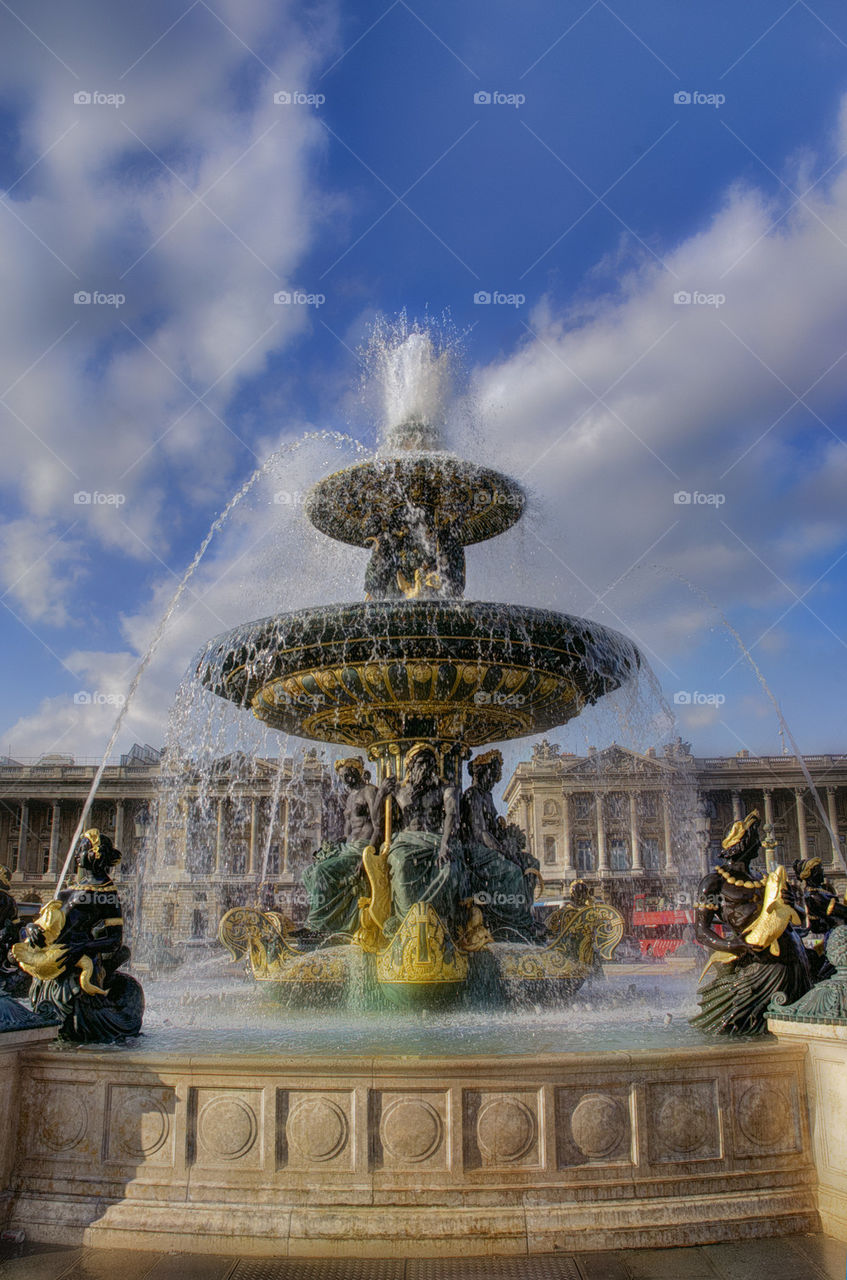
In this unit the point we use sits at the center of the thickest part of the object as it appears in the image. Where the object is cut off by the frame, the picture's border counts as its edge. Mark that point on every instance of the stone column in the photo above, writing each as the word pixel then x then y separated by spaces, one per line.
pixel 666 819
pixel 567 854
pixel 767 793
pixel 219 836
pixel 55 831
pixel 833 822
pixel 20 867
pixel 634 839
pixel 251 859
pixel 737 812
pixel 287 814
pixel 801 822
pixel 602 853
pixel 120 823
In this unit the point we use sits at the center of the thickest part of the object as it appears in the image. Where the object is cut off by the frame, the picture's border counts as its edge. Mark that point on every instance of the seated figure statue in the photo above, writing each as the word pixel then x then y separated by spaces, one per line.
pixel 760 952
pixel 822 910
pixel 502 873
pixel 336 879
pixel 424 857
pixel 73 951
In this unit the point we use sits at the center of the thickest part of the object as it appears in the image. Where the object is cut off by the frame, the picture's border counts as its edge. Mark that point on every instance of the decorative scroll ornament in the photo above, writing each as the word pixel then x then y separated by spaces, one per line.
pixel 263 936
pixel 827 1001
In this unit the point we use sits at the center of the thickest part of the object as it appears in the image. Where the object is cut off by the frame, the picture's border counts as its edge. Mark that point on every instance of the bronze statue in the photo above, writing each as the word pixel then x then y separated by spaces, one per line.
pixel 760 953
pixel 503 874
pixel 424 857
pixel 336 879
pixel 73 951
pixel 822 910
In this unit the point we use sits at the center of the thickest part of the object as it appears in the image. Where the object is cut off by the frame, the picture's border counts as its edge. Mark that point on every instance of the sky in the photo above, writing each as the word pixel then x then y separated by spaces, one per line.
pixel 632 215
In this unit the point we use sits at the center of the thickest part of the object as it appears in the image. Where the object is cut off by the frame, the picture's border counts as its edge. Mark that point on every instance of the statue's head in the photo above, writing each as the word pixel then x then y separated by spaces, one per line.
pixel 96 852
pixel 810 871
pixel 5 877
pixel 486 769
pixel 352 772
pixel 741 841
pixel 421 764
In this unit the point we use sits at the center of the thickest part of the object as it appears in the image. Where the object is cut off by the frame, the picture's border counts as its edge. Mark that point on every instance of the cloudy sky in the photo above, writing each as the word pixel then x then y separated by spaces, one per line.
pixel 635 214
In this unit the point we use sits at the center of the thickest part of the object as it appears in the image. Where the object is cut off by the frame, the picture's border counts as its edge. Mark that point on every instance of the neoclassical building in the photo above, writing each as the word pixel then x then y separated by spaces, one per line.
pixel 632 823
pixel 194 846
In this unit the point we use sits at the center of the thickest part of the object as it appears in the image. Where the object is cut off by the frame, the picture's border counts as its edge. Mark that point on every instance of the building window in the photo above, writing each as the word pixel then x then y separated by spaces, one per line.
pixel 549 851
pixel 45 859
pixel 584 855
pixel 619 855
pixel 650 855
pixel 239 862
pixel 169 915
pixel 582 806
pixel 198 923
pixel 273 860
pixel 649 804
pixel 618 806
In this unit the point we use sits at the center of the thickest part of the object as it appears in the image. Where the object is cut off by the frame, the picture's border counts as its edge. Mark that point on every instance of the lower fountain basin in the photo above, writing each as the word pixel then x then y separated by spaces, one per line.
pixel 379 673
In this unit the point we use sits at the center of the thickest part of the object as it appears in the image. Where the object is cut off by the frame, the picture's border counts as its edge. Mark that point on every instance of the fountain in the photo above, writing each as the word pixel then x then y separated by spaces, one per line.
pixel 417 671
pixel 491 1128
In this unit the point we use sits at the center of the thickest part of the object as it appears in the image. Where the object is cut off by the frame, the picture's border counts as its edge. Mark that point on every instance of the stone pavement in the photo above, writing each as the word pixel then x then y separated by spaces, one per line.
pixel 808 1257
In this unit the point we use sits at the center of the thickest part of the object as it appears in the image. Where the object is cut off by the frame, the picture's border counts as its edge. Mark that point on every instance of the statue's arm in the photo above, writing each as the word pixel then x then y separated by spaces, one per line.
pixel 377 806
pixel 451 821
pixel 707 910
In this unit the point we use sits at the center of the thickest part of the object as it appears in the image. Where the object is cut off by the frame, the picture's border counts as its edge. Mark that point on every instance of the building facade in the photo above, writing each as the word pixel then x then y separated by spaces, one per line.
pixel 631 823
pixel 627 823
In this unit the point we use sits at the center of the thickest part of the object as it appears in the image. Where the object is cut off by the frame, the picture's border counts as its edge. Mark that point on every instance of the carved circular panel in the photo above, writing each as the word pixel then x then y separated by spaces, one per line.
pixel 682 1124
pixel 598 1125
pixel 227 1128
pixel 505 1129
pixel 140 1125
pixel 62 1119
pixel 763 1114
pixel 317 1128
pixel 411 1129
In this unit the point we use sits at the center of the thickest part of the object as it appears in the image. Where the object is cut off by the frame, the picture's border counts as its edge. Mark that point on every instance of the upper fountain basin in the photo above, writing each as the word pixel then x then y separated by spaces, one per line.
pixel 357 503
pixel 379 673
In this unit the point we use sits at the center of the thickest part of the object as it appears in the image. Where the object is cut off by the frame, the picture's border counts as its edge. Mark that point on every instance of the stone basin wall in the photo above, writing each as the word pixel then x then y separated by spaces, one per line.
pixel 412 1156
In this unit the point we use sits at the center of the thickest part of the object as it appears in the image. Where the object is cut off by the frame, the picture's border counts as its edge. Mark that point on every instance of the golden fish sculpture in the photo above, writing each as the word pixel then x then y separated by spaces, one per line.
pixel 775 916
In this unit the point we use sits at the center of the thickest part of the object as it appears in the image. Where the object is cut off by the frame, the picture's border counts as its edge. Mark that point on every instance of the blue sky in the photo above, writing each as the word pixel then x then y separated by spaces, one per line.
pixel 590 191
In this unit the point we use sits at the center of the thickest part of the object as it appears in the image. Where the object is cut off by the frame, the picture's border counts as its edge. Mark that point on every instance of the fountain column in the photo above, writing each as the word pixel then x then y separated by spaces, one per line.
pixel 801 822
pixel 635 842
pixel 55 828
pixel 666 820
pixel 602 852
pixel 833 822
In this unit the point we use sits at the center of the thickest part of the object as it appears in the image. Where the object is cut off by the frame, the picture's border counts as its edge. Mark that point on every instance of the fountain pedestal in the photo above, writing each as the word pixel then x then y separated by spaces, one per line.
pixel 240 1153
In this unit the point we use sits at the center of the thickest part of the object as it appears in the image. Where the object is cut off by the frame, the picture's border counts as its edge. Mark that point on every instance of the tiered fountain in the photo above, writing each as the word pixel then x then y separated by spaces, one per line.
pixel 414 666
pixel 220 1142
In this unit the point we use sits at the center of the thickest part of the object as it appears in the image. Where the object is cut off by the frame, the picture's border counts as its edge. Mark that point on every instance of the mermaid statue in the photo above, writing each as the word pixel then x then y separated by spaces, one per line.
pixel 822 911
pixel 760 953
pixel 73 951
